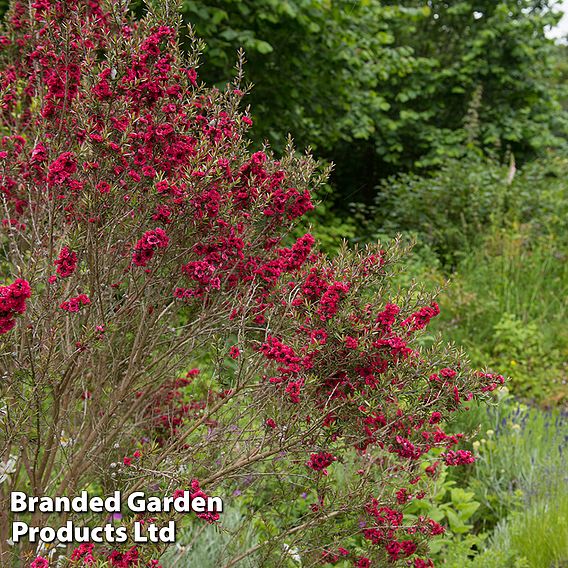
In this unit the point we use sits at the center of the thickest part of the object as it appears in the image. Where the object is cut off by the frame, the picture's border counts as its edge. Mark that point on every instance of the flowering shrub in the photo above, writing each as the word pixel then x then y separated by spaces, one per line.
pixel 169 239
pixel 12 302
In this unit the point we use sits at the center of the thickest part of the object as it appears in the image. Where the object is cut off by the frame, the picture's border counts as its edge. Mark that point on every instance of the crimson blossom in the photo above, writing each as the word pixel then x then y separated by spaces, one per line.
pixel 315 406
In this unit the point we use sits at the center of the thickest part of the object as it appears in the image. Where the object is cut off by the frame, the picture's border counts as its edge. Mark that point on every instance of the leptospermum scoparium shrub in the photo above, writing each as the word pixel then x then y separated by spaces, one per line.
pixel 140 234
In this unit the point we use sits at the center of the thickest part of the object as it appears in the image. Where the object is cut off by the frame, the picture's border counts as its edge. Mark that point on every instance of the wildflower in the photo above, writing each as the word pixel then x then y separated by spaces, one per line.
pixel 329 303
pixel 351 342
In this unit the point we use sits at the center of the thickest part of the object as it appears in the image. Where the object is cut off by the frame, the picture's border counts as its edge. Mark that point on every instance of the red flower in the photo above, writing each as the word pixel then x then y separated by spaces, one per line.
pixel 329 303
pixel 460 457
pixel 318 336
pixel 62 168
pixel 12 303
pixel 147 245
pixel 103 187
pixel 124 559
pixel 66 263
pixel 84 552
pixel 73 305
pixel 320 461
pixel 351 342
pixel 293 390
pixel 421 318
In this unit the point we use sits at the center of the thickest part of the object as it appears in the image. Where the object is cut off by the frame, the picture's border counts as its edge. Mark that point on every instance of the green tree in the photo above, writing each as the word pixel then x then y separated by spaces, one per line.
pixel 383 87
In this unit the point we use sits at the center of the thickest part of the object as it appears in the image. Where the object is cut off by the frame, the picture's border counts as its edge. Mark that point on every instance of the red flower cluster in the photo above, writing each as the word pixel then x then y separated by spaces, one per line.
pixel 389 526
pixel 73 305
pixel 459 457
pixel 330 557
pixel 85 553
pixel 319 461
pixel 147 245
pixel 421 318
pixel 201 271
pixel 492 381
pixel 196 491
pixel 66 263
pixel 124 559
pixel 168 410
pixel 61 169
pixel 423 563
pixel 387 317
pixel 12 303
pixel 400 549
pixel 329 302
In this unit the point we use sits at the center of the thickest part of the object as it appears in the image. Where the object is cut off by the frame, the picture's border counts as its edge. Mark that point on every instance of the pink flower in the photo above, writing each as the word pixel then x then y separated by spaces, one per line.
pixel 84 552
pixel 293 390
pixel 435 417
pixel 318 336
pixel 103 187
pixel 329 303
pixel 62 168
pixel 421 318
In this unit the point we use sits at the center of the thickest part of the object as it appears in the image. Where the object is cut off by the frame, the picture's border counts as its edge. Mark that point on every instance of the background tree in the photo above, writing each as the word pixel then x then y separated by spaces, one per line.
pixel 384 87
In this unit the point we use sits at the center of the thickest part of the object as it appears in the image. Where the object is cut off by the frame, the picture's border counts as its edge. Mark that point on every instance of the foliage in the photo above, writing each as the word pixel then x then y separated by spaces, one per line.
pixel 519 480
pixel 536 536
pixel 448 210
pixel 453 209
pixel 329 227
pixel 450 505
pixel 507 305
